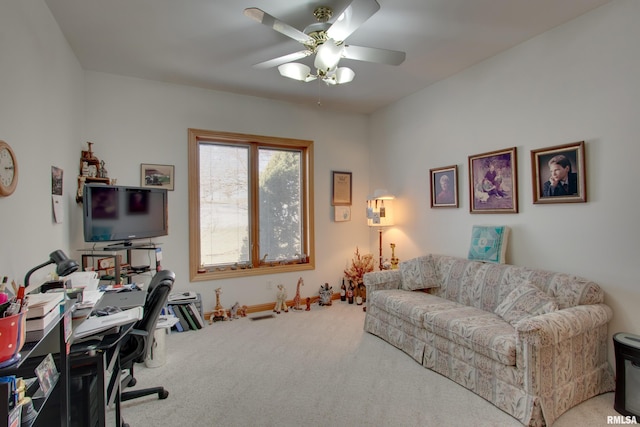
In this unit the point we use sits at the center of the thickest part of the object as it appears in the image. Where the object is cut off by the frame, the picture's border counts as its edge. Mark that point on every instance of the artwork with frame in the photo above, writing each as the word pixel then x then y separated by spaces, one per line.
pixel 559 174
pixel 157 176
pixel 342 213
pixel 341 189
pixel 444 187
pixel 493 182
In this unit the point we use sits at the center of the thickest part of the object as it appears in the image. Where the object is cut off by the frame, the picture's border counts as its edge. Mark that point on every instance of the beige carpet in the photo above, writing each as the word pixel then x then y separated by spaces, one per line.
pixel 315 368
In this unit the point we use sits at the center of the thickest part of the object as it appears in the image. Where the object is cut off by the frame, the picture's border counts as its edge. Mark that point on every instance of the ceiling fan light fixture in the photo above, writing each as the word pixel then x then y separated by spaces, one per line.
pixel 296 71
pixel 328 55
pixel 344 75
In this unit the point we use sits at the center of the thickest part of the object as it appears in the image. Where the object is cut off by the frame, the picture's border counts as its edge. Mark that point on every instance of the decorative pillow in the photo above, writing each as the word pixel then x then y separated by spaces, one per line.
pixel 419 273
pixel 489 243
pixel 526 300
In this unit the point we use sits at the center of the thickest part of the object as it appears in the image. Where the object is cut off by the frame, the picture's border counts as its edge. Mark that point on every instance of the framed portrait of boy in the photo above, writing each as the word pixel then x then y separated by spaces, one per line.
pixel 493 182
pixel 444 187
pixel 558 174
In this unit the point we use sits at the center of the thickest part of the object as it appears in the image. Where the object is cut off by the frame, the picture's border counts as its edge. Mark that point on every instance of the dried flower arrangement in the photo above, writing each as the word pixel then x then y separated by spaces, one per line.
pixel 360 264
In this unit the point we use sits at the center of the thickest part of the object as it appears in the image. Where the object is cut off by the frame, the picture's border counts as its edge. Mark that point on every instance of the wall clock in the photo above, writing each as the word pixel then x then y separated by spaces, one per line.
pixel 8 170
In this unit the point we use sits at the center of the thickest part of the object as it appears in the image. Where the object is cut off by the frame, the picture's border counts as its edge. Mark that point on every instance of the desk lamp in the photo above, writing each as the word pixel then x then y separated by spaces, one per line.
pixel 380 214
pixel 64 265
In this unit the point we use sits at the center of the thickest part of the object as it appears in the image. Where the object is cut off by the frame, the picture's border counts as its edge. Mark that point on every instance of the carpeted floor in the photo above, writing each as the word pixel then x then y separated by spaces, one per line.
pixel 315 368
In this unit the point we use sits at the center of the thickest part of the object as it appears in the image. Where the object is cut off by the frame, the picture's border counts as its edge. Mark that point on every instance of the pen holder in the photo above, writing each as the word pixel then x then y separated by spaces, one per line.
pixel 13 331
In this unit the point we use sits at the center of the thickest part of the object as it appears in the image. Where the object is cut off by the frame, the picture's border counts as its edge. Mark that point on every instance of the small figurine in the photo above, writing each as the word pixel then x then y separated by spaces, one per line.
pixel 233 313
pixel 325 294
pixel 296 299
pixel 219 312
pixel 308 304
pixel 242 311
pixel 362 292
pixel 281 300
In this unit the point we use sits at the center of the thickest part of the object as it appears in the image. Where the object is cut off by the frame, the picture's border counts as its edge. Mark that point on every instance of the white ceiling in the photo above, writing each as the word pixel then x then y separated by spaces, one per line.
pixel 212 44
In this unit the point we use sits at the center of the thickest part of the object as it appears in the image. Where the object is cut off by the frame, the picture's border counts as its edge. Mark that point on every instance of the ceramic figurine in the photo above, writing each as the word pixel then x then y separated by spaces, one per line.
pixel 296 299
pixel 325 294
pixel 308 304
pixel 281 300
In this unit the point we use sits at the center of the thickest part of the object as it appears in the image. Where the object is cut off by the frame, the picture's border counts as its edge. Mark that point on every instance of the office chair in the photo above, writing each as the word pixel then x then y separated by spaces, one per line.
pixel 139 340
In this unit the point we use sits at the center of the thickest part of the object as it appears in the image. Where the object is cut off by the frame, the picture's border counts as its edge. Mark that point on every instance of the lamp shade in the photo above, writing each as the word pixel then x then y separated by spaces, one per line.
pixel 296 71
pixel 344 75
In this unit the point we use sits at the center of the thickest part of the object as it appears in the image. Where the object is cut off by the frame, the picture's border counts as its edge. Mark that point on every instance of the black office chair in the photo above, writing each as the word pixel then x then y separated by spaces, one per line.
pixel 139 340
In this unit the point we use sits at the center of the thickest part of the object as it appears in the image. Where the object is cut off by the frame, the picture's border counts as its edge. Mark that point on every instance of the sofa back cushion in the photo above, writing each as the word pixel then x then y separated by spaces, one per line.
pixel 526 300
pixel 418 273
pixel 485 286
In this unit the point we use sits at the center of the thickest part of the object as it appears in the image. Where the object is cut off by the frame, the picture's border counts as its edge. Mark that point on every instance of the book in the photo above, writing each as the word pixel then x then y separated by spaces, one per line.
pixel 96 324
pixel 178 325
pixel 195 313
pixel 41 304
pixel 187 316
pixel 180 316
pixel 38 323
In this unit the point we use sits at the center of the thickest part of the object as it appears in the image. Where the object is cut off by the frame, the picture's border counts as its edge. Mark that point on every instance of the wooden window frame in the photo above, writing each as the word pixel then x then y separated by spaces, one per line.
pixel 196 273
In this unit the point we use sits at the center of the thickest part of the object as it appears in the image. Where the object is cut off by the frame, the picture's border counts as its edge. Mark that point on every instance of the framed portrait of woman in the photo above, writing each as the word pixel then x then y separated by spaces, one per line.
pixel 444 187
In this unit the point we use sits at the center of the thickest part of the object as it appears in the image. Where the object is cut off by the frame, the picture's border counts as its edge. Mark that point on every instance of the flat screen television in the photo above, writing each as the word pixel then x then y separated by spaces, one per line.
pixel 115 213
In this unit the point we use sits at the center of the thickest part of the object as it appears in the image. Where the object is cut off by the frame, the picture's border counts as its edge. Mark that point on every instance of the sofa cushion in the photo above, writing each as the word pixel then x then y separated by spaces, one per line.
pixel 526 300
pixel 418 273
pixel 478 330
pixel 489 243
pixel 410 306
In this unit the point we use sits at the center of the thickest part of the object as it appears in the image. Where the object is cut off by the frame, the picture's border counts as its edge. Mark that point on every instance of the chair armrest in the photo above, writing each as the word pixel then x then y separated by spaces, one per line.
pixel 377 280
pixel 139 332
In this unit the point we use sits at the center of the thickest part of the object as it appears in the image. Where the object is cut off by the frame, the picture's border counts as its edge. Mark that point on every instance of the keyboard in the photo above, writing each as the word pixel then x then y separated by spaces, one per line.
pixel 96 324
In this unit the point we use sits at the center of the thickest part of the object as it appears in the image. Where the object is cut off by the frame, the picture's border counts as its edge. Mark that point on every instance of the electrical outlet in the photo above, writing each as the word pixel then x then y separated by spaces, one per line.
pixel 269 285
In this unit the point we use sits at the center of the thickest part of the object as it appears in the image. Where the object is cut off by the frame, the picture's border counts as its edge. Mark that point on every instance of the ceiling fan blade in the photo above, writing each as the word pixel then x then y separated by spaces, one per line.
pixel 265 19
pixel 373 54
pixel 351 18
pixel 283 59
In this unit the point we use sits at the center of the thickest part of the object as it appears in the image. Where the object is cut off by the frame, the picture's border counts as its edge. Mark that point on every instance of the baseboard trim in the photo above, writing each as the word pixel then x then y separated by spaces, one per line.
pixel 270 305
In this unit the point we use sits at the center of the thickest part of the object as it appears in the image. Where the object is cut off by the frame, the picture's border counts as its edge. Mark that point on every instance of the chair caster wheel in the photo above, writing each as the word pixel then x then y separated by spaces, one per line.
pixel 163 394
pixel 132 382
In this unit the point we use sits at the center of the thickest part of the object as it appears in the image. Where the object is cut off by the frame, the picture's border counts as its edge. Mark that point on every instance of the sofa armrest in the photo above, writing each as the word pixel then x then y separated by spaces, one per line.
pixel 558 326
pixel 387 279
pixel 563 356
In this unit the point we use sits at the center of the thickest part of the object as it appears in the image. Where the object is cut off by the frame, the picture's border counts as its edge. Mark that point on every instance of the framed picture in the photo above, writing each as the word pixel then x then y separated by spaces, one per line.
pixel 342 213
pixel 493 182
pixel 444 187
pixel 558 174
pixel 156 176
pixel 341 189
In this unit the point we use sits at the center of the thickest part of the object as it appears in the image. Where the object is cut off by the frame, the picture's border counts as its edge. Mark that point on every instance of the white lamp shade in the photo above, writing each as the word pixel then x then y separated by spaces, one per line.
pixel 328 56
pixel 296 71
pixel 344 75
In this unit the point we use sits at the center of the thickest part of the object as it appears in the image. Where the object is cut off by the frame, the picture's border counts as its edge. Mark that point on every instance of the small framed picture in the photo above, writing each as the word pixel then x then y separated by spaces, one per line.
pixel 156 176
pixel 342 213
pixel 558 174
pixel 493 182
pixel 341 189
pixel 444 187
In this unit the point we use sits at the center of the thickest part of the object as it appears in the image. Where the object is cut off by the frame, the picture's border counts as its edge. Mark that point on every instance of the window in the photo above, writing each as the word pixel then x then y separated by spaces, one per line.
pixel 250 205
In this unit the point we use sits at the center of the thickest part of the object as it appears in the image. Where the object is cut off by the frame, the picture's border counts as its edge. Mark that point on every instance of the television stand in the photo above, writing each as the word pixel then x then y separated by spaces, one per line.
pixel 115 260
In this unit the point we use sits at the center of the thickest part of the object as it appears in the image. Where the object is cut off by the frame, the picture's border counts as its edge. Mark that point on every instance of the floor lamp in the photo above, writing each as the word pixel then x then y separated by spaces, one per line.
pixel 380 214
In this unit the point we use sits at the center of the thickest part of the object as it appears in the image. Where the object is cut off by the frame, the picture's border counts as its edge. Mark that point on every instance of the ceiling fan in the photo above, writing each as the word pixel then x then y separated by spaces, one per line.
pixel 327 41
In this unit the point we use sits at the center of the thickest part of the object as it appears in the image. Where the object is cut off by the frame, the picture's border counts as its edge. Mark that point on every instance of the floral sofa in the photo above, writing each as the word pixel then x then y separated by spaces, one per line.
pixel 531 342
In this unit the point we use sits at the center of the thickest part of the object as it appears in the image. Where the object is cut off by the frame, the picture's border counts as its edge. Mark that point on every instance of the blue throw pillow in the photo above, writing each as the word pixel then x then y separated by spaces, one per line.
pixel 489 243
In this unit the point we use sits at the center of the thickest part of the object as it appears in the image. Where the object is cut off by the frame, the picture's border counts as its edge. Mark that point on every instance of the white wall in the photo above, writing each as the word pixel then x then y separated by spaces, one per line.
pixel 133 121
pixel 576 82
pixel 41 118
